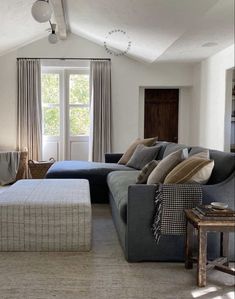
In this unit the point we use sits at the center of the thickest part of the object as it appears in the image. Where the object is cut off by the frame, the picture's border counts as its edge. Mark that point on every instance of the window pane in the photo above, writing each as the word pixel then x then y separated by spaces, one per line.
pixel 79 89
pixel 50 88
pixel 79 121
pixel 51 121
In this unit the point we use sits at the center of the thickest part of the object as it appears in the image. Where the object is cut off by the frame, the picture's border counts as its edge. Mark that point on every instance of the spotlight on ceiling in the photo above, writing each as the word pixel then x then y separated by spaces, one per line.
pixel 41 11
pixel 52 37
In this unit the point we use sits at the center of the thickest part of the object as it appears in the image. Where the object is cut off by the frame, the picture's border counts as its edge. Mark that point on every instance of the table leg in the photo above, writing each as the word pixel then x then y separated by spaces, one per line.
pixel 202 257
pixel 224 244
pixel 189 246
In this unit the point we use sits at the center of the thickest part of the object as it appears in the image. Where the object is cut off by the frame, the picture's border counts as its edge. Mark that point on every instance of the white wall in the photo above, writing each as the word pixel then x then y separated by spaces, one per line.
pixel 127 77
pixel 209 113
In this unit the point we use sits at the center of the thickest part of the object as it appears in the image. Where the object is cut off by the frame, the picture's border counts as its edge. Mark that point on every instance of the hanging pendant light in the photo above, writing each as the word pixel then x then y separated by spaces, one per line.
pixel 41 11
pixel 52 37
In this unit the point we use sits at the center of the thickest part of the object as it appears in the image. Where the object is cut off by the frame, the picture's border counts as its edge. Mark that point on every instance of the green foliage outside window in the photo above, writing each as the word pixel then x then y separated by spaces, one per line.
pixel 79 94
pixel 79 116
pixel 79 121
pixel 79 89
pixel 51 120
pixel 50 88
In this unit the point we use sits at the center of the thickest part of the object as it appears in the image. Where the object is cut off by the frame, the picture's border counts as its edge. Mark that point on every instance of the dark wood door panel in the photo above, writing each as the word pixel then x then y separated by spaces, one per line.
pixel 161 114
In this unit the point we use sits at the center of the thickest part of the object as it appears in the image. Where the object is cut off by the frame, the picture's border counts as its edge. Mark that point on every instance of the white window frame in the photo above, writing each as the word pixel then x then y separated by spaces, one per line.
pixel 64 140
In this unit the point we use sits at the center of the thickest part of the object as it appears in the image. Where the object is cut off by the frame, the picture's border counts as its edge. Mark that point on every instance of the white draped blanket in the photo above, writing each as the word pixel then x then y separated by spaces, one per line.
pixel 9 164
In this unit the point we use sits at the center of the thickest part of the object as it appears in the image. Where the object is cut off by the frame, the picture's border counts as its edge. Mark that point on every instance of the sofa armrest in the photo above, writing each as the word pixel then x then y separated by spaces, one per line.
pixel 140 212
pixel 112 158
pixel 223 192
pixel 140 215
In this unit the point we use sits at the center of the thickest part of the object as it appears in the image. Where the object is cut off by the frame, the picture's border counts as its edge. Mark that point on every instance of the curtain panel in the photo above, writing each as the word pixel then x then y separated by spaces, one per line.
pixel 100 83
pixel 29 118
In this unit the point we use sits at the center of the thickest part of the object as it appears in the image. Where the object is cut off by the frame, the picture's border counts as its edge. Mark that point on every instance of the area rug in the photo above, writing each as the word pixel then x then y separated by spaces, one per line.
pixel 103 273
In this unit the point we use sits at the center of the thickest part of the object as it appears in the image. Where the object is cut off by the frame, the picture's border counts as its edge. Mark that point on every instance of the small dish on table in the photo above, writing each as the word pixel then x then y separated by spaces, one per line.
pixel 219 205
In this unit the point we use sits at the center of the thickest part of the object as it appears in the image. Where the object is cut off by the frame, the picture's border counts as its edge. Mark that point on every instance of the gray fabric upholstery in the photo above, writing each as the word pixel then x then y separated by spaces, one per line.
pixel 112 158
pixel 95 172
pixel 118 183
pixel 173 147
pixel 224 164
pixel 133 210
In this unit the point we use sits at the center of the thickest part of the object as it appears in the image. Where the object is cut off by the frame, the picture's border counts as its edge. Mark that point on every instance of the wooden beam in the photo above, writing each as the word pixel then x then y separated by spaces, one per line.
pixel 59 14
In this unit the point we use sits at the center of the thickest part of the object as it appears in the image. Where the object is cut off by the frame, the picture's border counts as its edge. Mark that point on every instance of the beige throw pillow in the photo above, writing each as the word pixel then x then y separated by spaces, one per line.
pixel 145 172
pixel 192 170
pixel 205 154
pixel 129 152
pixel 166 165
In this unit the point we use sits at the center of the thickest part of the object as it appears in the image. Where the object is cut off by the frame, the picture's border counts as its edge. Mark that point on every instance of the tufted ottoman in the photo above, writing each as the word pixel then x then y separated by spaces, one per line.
pixel 46 215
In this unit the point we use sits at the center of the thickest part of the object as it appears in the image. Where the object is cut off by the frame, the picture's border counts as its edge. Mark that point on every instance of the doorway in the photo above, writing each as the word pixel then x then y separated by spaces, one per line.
pixel 161 113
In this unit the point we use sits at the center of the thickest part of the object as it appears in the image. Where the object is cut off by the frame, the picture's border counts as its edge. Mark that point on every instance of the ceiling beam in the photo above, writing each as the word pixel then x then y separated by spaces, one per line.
pixel 59 15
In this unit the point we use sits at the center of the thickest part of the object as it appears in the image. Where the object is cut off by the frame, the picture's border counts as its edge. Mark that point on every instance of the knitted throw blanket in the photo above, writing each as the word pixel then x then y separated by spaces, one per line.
pixel 170 203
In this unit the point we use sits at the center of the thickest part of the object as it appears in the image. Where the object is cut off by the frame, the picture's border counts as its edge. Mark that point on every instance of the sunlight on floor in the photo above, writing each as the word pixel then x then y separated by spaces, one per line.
pixel 204 291
pixel 207 290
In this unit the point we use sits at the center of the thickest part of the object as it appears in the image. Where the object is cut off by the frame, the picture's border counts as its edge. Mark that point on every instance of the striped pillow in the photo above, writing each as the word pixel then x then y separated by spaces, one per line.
pixel 192 170
pixel 145 172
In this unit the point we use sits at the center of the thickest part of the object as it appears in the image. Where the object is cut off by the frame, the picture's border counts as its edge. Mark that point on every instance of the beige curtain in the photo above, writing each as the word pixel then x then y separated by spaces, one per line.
pixel 29 107
pixel 100 82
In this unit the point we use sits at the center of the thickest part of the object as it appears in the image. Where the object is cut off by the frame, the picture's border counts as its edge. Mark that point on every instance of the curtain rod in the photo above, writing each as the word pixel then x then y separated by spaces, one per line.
pixel 54 58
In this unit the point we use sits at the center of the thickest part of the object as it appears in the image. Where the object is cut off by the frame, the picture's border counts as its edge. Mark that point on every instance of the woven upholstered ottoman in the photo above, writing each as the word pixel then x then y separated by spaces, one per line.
pixel 46 215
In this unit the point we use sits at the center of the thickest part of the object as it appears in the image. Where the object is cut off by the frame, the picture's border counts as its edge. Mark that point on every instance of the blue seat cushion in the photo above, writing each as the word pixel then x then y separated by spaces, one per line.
pixel 95 172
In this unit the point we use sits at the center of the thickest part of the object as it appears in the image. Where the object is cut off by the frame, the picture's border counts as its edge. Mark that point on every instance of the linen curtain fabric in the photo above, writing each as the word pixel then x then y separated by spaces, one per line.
pixel 29 107
pixel 100 82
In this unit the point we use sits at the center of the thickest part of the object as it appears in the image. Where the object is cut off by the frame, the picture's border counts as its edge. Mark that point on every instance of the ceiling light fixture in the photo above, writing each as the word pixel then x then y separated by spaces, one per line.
pixel 41 11
pixel 52 38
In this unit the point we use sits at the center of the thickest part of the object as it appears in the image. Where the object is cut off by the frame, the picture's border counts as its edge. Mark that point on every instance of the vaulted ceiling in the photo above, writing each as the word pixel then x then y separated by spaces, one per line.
pixel 159 30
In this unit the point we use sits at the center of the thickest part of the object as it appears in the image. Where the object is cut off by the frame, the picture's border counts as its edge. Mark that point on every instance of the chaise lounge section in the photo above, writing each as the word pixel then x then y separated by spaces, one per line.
pixel 95 172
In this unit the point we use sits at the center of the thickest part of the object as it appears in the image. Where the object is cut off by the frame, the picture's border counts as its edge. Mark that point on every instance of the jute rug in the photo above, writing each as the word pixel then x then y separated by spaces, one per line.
pixel 102 273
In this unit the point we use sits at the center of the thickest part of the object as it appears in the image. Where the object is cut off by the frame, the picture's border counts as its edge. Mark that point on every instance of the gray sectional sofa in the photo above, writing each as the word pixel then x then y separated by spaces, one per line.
pixel 133 204
pixel 133 209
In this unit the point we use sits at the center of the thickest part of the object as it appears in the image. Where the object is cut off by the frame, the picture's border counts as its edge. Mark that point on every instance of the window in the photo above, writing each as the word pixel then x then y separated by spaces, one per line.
pixel 51 104
pixel 66 113
pixel 79 114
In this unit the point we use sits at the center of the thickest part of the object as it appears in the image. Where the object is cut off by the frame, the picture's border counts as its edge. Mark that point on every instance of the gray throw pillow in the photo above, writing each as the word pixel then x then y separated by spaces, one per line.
pixel 166 165
pixel 145 172
pixel 143 155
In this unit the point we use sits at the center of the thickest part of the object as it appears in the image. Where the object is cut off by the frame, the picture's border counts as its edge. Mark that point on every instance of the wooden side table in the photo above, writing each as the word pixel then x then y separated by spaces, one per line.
pixel 204 226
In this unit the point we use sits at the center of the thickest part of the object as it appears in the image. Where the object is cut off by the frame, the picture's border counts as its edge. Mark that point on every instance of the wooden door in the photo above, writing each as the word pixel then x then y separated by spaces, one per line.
pixel 161 114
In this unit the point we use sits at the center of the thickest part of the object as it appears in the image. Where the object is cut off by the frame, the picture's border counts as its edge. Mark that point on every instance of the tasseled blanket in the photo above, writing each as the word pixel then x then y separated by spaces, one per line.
pixel 170 203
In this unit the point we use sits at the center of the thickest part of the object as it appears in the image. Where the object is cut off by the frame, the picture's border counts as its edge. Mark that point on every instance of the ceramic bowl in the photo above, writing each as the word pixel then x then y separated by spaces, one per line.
pixel 219 205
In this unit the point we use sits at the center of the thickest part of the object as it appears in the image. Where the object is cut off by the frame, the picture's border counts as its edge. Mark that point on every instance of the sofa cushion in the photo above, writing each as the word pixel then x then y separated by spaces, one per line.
pixel 224 164
pixel 143 155
pixel 129 152
pixel 166 165
pixel 173 147
pixel 118 183
pixel 95 172
pixel 145 172
pixel 192 170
